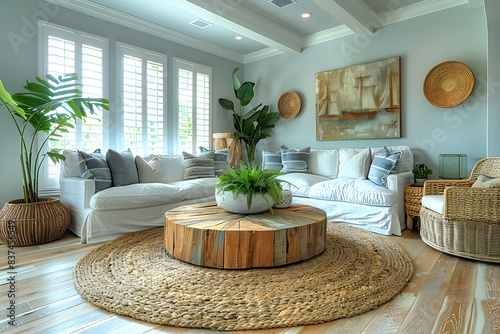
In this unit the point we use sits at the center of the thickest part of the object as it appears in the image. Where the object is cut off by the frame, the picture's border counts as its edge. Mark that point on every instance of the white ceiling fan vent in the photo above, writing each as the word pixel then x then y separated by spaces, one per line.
pixel 200 23
pixel 282 3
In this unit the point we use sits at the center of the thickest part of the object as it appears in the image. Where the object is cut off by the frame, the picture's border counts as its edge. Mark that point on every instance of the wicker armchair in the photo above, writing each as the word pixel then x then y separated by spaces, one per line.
pixel 469 225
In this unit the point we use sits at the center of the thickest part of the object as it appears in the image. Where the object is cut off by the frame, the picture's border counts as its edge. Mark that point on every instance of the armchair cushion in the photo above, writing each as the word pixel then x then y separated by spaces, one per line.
pixel 484 181
pixel 434 203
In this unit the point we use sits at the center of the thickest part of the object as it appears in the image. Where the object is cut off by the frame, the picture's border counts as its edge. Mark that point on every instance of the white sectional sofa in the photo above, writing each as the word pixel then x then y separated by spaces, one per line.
pixel 115 211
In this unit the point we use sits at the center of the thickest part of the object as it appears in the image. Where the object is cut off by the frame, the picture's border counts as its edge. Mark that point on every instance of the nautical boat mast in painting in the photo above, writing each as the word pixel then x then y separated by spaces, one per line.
pixel 359 102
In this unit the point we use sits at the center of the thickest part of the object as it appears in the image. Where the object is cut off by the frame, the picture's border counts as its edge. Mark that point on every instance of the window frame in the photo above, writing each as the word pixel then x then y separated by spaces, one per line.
pixel 50 186
pixel 196 69
pixel 123 49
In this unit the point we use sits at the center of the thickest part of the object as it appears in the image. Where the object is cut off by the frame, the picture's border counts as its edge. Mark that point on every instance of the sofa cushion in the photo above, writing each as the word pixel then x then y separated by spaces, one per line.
pixel 354 163
pixel 137 195
pixel 197 188
pixel 122 166
pixel 220 160
pixel 94 166
pixel 294 161
pixel 405 162
pixel 73 159
pixel 434 203
pixel 301 182
pixel 353 191
pixel 271 160
pixel 324 163
pixel 171 167
pixel 148 171
pixel 381 167
pixel 198 165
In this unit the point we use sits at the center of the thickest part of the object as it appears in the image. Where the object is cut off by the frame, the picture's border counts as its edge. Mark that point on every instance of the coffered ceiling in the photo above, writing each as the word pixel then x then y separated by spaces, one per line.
pixel 266 27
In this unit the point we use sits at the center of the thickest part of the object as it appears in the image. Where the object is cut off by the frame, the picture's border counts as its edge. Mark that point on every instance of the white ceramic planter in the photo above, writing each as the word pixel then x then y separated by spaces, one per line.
pixel 227 201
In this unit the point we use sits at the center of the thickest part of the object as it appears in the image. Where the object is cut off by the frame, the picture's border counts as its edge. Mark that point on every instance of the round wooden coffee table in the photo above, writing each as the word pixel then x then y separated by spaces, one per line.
pixel 207 235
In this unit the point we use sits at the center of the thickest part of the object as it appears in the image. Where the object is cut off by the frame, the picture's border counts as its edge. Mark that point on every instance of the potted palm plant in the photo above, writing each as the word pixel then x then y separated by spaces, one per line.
pixel 48 108
pixel 253 125
pixel 248 189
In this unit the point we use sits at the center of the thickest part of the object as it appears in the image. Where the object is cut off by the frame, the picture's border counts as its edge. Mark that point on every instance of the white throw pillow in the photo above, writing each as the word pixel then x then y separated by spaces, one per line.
pixel 354 163
pixel 147 171
pixel 71 163
pixel 324 163
pixel 171 167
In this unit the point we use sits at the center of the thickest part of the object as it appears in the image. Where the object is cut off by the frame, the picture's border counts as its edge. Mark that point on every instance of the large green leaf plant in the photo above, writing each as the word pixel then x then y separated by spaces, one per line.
pixel 253 125
pixel 50 106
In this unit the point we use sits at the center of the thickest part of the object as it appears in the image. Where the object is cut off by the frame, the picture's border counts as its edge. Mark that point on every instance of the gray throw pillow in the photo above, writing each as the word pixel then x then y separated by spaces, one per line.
pixel 198 165
pixel 94 167
pixel 271 160
pixel 382 165
pixel 220 160
pixel 295 161
pixel 123 168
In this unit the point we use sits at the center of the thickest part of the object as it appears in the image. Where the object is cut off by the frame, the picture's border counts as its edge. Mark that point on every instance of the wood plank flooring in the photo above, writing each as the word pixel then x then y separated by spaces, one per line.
pixel 446 294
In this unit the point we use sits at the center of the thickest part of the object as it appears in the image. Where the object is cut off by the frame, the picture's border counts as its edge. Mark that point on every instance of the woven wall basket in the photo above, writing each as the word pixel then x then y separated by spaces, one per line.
pixel 33 223
pixel 289 104
pixel 448 84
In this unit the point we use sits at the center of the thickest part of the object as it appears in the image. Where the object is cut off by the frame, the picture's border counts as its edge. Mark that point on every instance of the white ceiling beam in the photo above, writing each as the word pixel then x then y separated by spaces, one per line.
pixel 234 16
pixel 475 3
pixel 355 14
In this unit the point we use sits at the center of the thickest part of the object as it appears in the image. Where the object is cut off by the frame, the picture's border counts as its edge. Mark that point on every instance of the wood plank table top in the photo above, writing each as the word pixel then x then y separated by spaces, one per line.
pixel 207 235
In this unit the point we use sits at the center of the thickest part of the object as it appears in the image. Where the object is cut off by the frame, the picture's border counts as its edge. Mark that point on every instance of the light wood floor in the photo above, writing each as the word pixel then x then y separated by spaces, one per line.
pixel 445 295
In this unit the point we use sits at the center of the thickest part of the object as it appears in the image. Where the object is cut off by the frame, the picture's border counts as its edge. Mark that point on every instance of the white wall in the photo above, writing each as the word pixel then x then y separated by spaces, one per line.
pixel 454 34
pixel 19 62
pixel 492 9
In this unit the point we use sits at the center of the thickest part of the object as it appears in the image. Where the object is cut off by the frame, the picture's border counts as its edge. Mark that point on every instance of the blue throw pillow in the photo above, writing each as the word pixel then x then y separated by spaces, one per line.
pixel 382 165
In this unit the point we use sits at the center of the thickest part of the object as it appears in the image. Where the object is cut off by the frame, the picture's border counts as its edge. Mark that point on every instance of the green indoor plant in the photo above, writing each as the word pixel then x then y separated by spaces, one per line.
pixel 253 125
pixel 48 108
pixel 250 180
pixel 420 171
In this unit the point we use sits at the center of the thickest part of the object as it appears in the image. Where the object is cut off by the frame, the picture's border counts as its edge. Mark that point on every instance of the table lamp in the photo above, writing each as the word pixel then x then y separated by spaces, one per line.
pixel 452 166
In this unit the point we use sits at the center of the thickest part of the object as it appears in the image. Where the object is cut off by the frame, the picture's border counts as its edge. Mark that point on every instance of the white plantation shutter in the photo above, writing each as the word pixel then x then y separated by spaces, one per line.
pixel 143 94
pixel 193 106
pixel 69 51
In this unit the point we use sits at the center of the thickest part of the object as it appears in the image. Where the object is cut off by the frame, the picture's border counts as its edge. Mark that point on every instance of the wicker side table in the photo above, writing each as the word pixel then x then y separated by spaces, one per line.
pixel 413 203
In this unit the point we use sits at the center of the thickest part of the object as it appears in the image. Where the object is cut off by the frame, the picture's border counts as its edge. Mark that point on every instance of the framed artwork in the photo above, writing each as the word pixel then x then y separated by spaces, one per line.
pixel 359 102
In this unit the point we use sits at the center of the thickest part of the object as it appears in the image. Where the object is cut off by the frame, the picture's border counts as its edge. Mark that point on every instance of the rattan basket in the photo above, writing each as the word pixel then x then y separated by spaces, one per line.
pixel 24 224
pixel 413 199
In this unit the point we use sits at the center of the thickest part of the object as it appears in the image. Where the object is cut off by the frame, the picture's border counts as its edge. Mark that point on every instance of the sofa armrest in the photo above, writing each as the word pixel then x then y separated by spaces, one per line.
pixel 76 192
pixel 398 181
pixel 480 204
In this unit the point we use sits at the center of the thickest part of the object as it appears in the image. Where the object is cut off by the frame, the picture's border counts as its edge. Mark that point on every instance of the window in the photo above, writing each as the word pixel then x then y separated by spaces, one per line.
pixel 193 105
pixel 143 98
pixel 69 51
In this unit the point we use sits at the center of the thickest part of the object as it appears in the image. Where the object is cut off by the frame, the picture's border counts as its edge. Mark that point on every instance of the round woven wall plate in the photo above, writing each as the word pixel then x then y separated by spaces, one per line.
pixel 448 84
pixel 289 104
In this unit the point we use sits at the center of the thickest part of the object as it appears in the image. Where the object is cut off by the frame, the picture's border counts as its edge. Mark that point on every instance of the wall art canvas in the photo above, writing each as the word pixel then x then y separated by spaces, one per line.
pixel 359 102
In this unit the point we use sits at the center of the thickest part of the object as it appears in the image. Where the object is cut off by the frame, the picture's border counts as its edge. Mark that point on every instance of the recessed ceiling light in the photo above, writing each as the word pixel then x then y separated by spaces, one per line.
pixel 305 15
pixel 238 38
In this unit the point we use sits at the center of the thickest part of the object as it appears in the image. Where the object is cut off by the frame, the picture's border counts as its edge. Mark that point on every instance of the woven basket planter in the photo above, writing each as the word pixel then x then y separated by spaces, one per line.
pixel 24 224
pixel 413 199
pixel 473 239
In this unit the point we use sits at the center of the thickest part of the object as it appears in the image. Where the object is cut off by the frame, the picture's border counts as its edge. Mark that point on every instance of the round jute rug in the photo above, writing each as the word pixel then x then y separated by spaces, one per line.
pixel 134 276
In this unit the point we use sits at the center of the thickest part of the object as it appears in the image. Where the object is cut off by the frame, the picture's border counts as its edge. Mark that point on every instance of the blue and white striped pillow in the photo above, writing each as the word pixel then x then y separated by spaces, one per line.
pixel 381 167
pixel 271 160
pixel 295 161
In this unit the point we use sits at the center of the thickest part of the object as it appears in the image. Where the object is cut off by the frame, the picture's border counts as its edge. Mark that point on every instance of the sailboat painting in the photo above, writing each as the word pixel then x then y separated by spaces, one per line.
pixel 359 102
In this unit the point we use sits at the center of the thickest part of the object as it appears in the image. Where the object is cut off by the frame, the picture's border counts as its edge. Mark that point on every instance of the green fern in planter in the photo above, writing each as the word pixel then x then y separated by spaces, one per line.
pixel 250 179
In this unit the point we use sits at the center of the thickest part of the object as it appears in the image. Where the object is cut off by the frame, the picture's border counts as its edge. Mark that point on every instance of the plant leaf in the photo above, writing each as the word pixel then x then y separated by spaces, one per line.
pixel 236 82
pixel 226 104
pixel 245 93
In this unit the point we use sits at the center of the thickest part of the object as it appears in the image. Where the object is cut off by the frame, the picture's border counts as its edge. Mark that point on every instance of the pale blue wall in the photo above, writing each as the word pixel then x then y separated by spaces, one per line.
pixel 492 8
pixel 423 42
pixel 16 67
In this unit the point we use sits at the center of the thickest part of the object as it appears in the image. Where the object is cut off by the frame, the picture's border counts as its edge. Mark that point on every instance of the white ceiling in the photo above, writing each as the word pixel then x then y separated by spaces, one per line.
pixel 266 29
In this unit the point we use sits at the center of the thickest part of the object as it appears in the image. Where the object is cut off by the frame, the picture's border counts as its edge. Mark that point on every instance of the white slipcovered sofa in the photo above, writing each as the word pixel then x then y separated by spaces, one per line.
pixel 115 211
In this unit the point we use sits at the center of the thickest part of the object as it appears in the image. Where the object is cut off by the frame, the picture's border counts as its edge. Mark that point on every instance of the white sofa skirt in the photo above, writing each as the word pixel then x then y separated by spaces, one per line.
pixel 378 219
pixel 103 225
